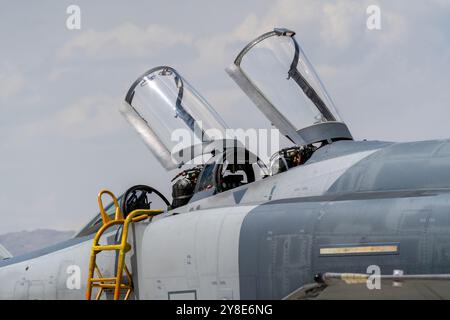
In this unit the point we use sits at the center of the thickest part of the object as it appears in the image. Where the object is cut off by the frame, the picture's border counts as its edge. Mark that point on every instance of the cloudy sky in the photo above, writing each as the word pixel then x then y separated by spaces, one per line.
pixel 62 138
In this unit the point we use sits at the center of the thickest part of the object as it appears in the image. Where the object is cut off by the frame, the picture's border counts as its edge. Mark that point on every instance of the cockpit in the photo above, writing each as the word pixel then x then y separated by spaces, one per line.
pixel 185 133
pixel 231 168
pixel 226 170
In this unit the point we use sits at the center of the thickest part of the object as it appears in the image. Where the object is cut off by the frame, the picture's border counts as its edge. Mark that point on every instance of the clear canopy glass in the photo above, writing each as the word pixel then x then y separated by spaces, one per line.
pixel 276 74
pixel 171 116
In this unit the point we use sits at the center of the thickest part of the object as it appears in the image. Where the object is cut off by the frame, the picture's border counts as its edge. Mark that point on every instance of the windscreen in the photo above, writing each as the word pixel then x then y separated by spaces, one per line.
pixel 171 116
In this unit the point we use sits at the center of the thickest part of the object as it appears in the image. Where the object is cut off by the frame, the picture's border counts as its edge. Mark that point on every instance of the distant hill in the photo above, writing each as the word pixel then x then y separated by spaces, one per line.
pixel 26 241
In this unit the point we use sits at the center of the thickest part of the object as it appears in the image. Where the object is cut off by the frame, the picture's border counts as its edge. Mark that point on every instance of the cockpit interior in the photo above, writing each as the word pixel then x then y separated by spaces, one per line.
pixel 180 127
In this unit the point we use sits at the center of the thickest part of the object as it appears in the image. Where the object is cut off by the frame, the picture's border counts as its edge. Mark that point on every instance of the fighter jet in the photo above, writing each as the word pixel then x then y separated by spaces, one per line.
pixel 327 217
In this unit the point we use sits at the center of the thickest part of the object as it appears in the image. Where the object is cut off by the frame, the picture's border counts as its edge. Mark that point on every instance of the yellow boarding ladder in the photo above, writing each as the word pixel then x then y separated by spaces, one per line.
pixel 114 283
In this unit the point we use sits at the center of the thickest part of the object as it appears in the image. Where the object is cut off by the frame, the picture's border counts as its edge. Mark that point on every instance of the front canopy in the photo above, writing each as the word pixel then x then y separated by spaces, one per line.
pixel 278 77
pixel 174 120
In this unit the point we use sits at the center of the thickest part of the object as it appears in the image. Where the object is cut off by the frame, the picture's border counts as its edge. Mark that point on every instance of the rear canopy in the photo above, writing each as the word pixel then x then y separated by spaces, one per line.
pixel 278 77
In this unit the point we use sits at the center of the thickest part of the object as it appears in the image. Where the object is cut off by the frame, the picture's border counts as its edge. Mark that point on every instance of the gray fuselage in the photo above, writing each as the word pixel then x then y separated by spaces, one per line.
pixel 266 239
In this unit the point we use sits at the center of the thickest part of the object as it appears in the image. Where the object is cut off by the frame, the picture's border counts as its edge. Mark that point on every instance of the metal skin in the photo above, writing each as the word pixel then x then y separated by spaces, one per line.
pixel 352 205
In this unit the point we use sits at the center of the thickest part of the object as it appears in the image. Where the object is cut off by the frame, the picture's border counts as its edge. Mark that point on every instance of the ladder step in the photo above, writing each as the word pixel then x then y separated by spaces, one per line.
pixel 107 247
pixel 114 280
pixel 111 247
pixel 103 279
pixel 110 286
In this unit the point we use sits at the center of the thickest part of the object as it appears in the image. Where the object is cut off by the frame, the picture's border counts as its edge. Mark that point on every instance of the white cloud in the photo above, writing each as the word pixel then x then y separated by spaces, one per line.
pixel 340 22
pixel 334 24
pixel 444 3
pixel 126 40
pixel 87 118
pixel 373 74
pixel 389 84
pixel 11 84
pixel 60 72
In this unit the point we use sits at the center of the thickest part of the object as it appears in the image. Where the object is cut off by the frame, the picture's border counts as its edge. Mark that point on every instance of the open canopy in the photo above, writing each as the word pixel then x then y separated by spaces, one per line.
pixel 174 120
pixel 278 77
